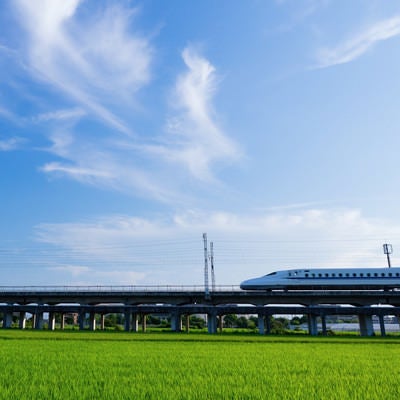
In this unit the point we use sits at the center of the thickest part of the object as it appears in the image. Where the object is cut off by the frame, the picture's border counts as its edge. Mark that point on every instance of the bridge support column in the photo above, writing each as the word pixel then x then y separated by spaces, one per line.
pixel 7 319
pixel 82 320
pixel 176 322
pixel 144 322
pixel 366 325
pixel 102 322
pixel 312 325
pixel 382 325
pixel 212 323
pixel 323 320
pixel 267 324
pixel 62 321
pixel 22 320
pixel 187 323
pixel 51 326
pixel 261 324
pixel 38 320
pixel 135 322
pixel 92 321
pixel 127 321
pixel 220 323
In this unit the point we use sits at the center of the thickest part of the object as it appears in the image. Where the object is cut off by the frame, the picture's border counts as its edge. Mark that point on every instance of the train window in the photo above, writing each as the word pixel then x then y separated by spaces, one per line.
pixel 382 274
pixel 290 274
pixel 319 275
pixel 390 274
pixel 361 275
pixel 272 273
pixel 313 275
pixel 397 274
pixel 375 274
pixel 368 274
pixel 306 275
pixel 340 275
pixel 333 275
pixel 347 275
pixel 354 274
pixel 327 275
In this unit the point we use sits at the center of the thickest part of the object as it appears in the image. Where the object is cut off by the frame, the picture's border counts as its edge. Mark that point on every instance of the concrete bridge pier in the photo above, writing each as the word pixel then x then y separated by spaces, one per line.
pixel 52 321
pixel 82 320
pixel 267 325
pixel 312 325
pixel 221 323
pixel 127 321
pixel 102 322
pixel 135 322
pixel 323 320
pixel 187 323
pixel 38 320
pixel 144 322
pixel 22 320
pixel 7 319
pixel 261 324
pixel 366 325
pixel 62 322
pixel 212 322
pixel 92 321
pixel 176 322
pixel 382 325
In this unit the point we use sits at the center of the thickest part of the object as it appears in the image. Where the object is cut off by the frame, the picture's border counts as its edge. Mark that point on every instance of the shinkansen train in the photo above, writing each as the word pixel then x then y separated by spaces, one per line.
pixel 338 278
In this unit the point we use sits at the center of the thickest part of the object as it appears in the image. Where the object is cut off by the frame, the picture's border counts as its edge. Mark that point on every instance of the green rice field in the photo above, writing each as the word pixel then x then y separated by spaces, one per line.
pixel 112 365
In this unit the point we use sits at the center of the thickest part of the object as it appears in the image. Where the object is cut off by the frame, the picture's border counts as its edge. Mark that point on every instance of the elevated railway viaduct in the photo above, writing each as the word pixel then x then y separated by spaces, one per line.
pixel 135 302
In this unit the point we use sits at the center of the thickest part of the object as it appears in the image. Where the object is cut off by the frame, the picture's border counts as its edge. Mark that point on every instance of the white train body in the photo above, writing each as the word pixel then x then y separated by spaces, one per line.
pixel 326 278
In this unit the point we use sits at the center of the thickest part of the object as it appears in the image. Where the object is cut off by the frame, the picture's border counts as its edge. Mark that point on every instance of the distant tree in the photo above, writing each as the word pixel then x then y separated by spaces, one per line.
pixel 230 320
pixel 153 320
pixel 279 325
pixel 196 322
pixel 242 322
pixel 299 320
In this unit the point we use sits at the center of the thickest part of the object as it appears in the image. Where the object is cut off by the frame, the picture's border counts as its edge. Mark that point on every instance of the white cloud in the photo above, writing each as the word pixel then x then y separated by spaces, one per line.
pixel 94 60
pixel 195 142
pixel 356 46
pixel 60 115
pixel 11 144
pixel 74 270
pixel 195 139
pixel 90 276
pixel 170 251
pixel 82 174
pixel 97 61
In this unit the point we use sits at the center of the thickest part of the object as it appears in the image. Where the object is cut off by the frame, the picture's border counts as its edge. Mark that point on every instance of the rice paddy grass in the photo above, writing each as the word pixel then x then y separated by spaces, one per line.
pixel 98 365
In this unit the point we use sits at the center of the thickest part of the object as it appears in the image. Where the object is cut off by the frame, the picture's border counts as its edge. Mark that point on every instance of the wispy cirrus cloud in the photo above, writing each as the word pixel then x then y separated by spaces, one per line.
pixel 358 45
pixel 93 59
pixel 60 115
pixel 98 63
pixel 192 143
pixel 195 140
pixel 11 144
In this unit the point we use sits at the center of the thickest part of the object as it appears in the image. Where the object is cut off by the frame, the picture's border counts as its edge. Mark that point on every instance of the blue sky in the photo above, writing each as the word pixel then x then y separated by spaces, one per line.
pixel 129 128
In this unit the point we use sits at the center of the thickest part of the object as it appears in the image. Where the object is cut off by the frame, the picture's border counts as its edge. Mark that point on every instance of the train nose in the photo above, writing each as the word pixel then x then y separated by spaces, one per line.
pixel 248 284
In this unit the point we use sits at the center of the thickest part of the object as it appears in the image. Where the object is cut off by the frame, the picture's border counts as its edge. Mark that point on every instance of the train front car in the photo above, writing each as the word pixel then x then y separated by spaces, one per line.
pixel 274 280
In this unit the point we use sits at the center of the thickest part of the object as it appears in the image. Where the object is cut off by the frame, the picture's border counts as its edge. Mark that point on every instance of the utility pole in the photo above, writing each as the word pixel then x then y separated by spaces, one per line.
pixel 206 289
pixel 388 249
pixel 212 267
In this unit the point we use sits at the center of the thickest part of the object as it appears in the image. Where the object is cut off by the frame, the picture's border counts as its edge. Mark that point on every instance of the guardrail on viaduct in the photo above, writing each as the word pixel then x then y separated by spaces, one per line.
pixel 138 301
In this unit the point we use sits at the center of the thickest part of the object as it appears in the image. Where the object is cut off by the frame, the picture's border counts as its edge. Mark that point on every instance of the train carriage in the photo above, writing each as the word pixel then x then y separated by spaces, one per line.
pixel 326 278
